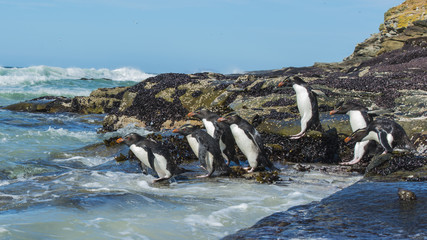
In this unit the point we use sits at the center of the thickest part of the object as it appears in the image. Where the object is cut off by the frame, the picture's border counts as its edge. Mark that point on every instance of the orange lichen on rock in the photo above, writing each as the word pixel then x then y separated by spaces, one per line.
pixel 405 14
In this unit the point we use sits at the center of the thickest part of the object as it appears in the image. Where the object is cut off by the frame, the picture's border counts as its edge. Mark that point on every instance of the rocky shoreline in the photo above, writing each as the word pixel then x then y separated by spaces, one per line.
pixel 387 73
pixel 394 84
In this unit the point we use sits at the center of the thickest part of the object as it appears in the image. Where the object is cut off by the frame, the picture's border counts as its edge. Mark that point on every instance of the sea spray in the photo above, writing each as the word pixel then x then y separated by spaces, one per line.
pixel 34 74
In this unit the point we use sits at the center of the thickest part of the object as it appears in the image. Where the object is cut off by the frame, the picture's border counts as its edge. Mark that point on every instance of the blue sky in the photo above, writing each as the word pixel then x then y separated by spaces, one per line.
pixel 185 35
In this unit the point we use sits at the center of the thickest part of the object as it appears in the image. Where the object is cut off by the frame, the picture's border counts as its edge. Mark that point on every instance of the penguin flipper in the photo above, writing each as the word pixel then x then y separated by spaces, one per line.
pixel 151 158
pixel 218 131
pixel 203 150
pixel 256 138
pixel 230 151
pixel 382 136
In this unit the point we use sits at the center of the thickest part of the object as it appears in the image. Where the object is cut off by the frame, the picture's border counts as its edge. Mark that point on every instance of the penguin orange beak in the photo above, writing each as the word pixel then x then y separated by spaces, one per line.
pixel 281 84
pixel 191 114
pixel 221 119
pixel 333 112
pixel 120 140
pixel 347 139
pixel 176 129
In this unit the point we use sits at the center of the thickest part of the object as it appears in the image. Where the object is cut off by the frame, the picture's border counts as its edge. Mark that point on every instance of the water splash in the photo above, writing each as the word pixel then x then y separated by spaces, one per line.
pixel 35 74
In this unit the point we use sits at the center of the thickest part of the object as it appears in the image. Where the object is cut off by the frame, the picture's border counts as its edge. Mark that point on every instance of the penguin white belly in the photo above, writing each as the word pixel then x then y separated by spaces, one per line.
pixel 141 154
pixel 222 146
pixel 210 128
pixel 371 136
pixel 245 144
pixel 193 144
pixel 160 164
pixel 209 161
pixel 390 139
pixel 359 149
pixel 304 105
pixel 356 120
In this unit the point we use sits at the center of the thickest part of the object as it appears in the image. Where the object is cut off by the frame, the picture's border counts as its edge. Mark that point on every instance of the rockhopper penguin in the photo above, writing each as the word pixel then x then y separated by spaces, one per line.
pixel 151 154
pixel 220 131
pixel 249 141
pixel 359 118
pixel 384 131
pixel 307 105
pixel 205 147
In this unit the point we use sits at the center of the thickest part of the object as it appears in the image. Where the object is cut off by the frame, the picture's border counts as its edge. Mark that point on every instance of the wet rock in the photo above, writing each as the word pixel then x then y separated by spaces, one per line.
pixel 316 148
pixel 268 177
pixel 260 177
pixel 406 195
pixel 237 172
pixel 397 166
pixel 420 142
pixel 302 168
pixel 47 104
pixel 94 105
pixel 348 214
pixel 120 158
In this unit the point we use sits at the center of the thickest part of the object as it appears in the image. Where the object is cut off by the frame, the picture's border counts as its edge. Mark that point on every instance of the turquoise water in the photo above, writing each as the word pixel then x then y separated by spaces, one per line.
pixel 58 181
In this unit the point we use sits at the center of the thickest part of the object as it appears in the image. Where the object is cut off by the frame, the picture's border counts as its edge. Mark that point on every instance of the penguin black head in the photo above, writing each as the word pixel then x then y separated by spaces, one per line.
pixel 337 108
pixel 185 129
pixel 343 107
pixel 292 80
pixel 357 135
pixel 200 113
pixel 231 118
pixel 297 80
pixel 130 139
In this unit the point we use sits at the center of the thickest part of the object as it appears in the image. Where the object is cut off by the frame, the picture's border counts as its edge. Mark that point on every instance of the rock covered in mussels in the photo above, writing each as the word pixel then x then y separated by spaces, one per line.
pixel 381 75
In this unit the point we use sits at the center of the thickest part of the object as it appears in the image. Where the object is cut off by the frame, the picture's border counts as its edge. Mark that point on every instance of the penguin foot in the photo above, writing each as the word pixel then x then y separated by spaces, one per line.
pixel 249 169
pixel 160 179
pixel 203 176
pixel 352 162
pixel 298 136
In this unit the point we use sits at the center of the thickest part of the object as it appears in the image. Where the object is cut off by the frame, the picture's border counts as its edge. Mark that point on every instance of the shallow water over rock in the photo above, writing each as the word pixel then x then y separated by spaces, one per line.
pixel 365 210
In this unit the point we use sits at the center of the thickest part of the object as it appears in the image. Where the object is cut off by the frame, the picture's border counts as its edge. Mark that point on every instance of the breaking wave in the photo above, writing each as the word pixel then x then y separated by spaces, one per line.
pixel 34 74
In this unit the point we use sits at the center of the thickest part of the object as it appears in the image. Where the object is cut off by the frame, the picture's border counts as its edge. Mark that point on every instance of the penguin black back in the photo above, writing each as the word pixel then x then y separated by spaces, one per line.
pixel 249 141
pixel 385 131
pixel 205 147
pixel 151 154
pixel 220 131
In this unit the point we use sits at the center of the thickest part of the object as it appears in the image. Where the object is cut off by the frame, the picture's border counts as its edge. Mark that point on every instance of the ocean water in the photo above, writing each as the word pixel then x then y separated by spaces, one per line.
pixel 58 181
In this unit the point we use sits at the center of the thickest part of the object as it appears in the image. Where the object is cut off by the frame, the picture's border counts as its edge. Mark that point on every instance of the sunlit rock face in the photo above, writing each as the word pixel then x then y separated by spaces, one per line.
pixel 403 22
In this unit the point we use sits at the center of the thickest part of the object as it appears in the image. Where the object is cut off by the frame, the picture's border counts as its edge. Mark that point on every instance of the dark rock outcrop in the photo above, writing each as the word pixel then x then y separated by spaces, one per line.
pixel 365 210
pixel 46 104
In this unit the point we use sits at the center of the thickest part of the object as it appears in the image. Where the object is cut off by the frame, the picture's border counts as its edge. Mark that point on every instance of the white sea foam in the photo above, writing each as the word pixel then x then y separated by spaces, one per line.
pixel 130 128
pixel 84 136
pixel 43 91
pixel 88 161
pixel 34 74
